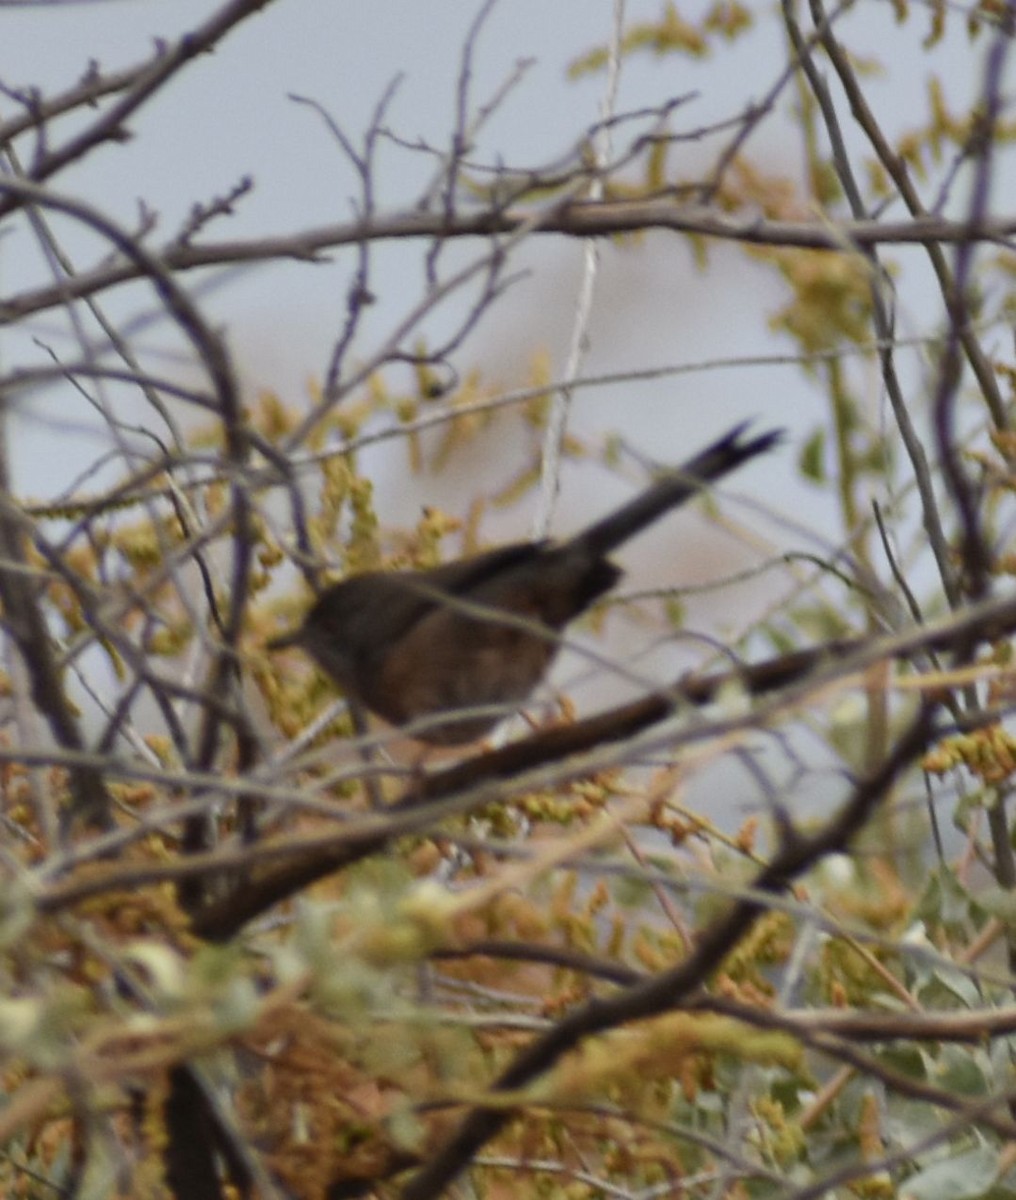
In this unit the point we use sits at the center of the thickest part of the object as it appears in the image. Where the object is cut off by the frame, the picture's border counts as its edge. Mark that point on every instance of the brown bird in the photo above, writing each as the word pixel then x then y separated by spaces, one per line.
pixel 452 650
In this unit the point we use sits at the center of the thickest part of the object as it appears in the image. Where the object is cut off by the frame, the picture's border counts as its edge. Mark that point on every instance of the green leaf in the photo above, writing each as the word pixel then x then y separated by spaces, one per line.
pixel 945 900
pixel 962 1177
pixel 906 1058
pixel 1001 903
pixel 812 457
pixel 960 1070
pixel 961 985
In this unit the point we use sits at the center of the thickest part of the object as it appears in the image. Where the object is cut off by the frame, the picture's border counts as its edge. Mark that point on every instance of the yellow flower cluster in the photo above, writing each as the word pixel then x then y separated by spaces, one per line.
pixel 988 753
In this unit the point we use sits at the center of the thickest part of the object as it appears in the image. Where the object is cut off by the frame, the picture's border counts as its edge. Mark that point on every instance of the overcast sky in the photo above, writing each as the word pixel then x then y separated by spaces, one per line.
pixel 233 114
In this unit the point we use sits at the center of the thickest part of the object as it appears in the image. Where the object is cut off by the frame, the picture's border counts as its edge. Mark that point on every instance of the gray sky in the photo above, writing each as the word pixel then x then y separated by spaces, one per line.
pixel 232 114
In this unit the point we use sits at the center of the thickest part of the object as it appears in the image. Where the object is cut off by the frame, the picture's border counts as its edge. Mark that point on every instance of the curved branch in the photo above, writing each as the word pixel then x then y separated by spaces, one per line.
pixel 573 218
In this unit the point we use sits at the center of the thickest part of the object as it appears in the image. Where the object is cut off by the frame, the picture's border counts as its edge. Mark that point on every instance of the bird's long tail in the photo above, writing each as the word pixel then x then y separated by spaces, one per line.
pixel 674 488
